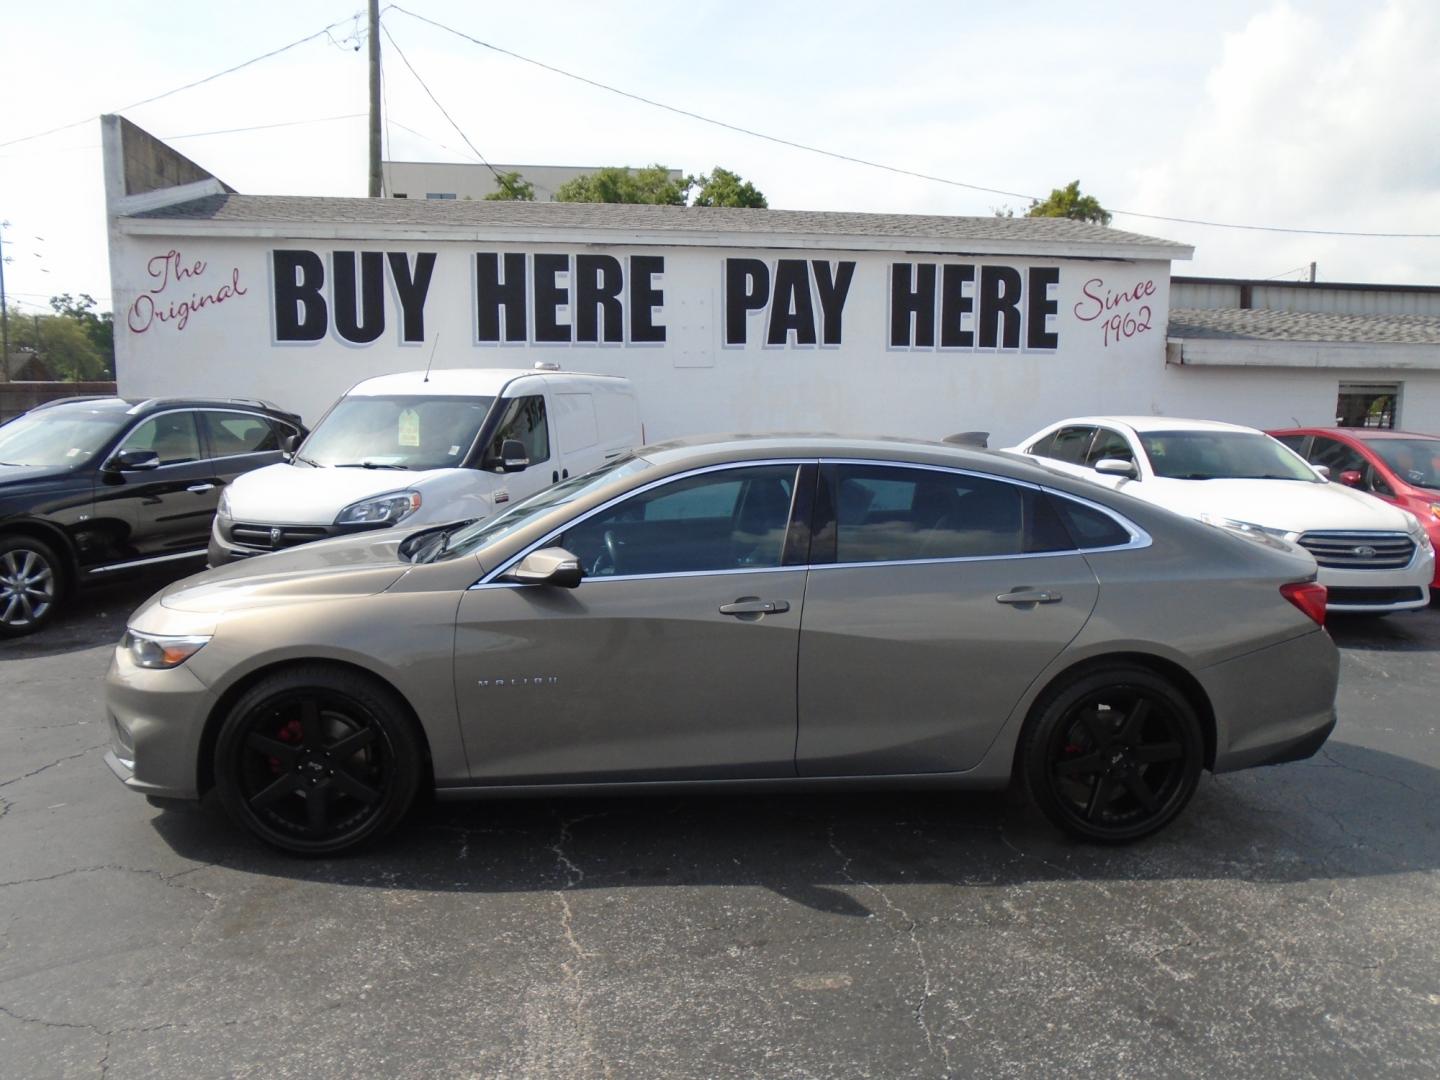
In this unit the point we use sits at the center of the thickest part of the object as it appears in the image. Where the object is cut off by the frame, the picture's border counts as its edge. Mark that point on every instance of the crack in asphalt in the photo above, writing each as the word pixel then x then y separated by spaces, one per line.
pixel 574 969
pixel 911 928
pixel 52 764
pixel 1366 772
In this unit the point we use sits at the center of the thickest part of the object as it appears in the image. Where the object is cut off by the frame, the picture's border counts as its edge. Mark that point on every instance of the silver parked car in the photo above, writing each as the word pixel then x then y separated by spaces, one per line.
pixel 764 612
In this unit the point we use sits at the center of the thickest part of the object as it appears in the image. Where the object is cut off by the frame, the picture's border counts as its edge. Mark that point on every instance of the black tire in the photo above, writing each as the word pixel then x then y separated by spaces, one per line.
pixel 318 733
pixel 1113 756
pixel 32 583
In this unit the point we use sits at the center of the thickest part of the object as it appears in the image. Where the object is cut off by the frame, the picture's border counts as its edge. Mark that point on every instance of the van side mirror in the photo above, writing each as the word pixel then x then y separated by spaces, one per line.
pixel 290 443
pixel 548 566
pixel 134 461
pixel 1117 467
pixel 512 457
pixel 1352 478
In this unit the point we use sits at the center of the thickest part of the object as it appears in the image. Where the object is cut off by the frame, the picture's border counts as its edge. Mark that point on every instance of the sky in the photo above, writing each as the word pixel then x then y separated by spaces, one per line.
pixel 1311 116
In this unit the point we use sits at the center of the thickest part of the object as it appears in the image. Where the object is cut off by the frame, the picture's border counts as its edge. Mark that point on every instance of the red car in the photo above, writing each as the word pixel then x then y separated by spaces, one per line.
pixel 1398 466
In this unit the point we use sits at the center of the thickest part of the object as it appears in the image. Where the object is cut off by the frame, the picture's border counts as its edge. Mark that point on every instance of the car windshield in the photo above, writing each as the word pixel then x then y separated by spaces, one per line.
pixel 1222 455
pixel 397 432
pixel 1416 461
pixel 55 438
pixel 474 537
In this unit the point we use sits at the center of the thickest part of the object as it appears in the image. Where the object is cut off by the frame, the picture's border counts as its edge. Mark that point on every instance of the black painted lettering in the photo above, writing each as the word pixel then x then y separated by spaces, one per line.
pixel 300 311
pixel 792 308
pixel 645 298
pixel 955 305
pixel 832 286
pixel 999 296
pixel 492 296
pixel 912 309
pixel 598 281
pixel 411 288
pixel 550 297
pixel 359 302
pixel 747 289
pixel 1038 305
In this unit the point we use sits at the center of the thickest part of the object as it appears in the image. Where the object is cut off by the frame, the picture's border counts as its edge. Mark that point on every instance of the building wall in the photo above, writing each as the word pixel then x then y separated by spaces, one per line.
pixel 1300 296
pixel 198 315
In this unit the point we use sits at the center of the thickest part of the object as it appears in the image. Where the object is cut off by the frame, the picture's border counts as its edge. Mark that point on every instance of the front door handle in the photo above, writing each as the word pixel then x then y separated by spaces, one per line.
pixel 200 489
pixel 1029 596
pixel 755 607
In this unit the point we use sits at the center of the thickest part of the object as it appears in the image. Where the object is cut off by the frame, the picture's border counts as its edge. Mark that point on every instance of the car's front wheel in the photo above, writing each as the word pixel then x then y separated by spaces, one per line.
pixel 318 760
pixel 30 585
pixel 1113 756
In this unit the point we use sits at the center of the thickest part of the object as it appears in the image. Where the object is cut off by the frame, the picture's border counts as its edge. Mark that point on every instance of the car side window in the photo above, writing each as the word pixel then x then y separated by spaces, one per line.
pixel 1109 444
pixel 173 437
pixel 1296 443
pixel 232 433
pixel 1088 527
pixel 1335 454
pixel 524 420
pixel 893 514
pixel 731 519
pixel 1068 444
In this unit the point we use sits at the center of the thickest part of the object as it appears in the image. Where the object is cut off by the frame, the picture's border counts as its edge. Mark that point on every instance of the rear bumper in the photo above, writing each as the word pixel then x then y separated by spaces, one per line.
pixel 1274 705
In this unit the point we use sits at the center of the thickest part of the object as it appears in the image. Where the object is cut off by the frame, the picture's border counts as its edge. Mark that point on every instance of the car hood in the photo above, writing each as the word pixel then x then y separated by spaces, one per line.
pixel 351 566
pixel 287 494
pixel 23 474
pixel 1289 505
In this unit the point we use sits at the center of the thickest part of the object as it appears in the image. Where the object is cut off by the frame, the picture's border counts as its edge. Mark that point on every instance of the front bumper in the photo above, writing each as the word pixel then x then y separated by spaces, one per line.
pixel 155 720
pixel 1380 590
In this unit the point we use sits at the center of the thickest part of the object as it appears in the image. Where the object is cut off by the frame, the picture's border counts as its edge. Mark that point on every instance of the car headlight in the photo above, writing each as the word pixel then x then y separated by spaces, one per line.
pixel 1249 528
pixel 380 509
pixel 161 651
pixel 1435 509
pixel 1418 532
pixel 222 511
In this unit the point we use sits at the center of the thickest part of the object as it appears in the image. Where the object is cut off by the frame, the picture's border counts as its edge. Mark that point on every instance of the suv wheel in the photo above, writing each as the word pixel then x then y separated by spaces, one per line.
pixel 30 585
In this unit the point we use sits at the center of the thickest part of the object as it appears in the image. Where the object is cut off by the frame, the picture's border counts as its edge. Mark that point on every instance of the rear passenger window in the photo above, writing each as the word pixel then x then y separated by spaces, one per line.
pixel 1087 526
pixel 886 514
pixel 239 433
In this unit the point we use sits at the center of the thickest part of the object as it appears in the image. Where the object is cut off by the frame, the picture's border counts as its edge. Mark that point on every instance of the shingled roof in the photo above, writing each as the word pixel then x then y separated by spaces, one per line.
pixel 1249 324
pixel 283 210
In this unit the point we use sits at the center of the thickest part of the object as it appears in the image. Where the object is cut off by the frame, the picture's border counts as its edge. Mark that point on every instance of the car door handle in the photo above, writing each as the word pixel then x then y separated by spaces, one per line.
pixel 755 607
pixel 1029 596
pixel 200 489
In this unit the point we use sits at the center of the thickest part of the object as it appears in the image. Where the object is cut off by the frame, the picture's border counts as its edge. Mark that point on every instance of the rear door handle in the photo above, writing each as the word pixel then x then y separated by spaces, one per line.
pixel 200 489
pixel 755 607
pixel 1029 596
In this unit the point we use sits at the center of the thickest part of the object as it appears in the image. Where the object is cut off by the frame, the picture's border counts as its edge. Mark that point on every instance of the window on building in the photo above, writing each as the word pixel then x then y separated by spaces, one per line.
pixel 440 195
pixel 398 195
pixel 1369 405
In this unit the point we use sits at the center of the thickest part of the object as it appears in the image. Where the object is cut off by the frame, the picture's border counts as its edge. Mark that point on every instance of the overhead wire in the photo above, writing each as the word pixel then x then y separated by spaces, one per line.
pixel 897 170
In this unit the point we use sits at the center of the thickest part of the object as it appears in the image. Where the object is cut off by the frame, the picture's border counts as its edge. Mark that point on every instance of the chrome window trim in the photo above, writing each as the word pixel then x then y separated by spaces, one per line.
pixel 1139 538
pixel 724 467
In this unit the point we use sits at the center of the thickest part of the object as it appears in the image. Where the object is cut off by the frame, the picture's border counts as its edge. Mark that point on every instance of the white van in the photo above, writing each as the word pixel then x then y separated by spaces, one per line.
pixel 432 448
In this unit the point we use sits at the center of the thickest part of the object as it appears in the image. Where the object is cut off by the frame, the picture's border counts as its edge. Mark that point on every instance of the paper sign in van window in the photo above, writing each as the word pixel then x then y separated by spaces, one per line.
pixel 409 433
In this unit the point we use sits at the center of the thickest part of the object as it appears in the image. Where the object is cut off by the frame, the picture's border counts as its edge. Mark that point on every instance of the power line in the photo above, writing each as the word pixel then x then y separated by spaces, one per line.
pixel 877 164
pixel 266 127
pixel 323 32
pixel 427 138
pixel 398 52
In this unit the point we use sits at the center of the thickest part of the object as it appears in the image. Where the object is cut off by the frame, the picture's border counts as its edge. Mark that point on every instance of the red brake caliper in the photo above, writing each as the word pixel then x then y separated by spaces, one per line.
pixel 290 733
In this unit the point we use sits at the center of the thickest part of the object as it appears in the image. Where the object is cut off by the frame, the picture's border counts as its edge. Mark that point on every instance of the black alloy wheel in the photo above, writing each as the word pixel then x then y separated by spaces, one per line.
pixel 30 585
pixel 1114 756
pixel 317 760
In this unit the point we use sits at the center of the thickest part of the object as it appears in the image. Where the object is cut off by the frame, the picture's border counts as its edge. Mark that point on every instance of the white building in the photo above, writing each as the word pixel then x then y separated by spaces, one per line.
pixel 725 319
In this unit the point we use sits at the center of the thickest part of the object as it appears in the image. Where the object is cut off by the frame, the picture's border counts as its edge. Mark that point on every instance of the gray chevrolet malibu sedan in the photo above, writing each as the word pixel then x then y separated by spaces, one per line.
pixel 760 612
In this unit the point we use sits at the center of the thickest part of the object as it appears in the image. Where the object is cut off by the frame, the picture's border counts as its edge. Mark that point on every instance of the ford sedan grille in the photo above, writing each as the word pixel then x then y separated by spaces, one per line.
pixel 1359 550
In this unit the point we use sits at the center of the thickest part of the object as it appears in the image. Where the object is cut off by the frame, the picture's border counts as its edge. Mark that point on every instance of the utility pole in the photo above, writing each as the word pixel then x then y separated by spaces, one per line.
pixel 4 313
pixel 374 99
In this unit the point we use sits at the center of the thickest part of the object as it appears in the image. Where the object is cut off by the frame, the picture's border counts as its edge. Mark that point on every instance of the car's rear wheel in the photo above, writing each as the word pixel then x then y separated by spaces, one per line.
pixel 30 585
pixel 318 760
pixel 1113 756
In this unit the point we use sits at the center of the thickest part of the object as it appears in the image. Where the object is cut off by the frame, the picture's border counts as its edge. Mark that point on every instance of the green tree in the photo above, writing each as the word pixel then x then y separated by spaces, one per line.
pixel 512 188
pixel 99 328
pixel 1067 202
pixel 58 341
pixel 724 188
pixel 650 185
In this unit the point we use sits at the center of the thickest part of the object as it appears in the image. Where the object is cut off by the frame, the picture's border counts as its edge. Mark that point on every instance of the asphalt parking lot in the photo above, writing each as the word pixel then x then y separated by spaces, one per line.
pixel 1288 924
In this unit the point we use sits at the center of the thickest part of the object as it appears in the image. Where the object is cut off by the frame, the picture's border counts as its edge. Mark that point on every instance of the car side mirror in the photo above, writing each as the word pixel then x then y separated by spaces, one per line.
pixel 1352 478
pixel 512 457
pixel 1110 466
pixel 289 444
pixel 548 566
pixel 134 461
pixel 1323 470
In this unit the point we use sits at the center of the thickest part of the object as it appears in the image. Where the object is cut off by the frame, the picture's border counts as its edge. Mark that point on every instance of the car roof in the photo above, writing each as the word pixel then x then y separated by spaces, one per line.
pixel 1156 423
pixel 460 382
pixel 1363 434
pixel 136 406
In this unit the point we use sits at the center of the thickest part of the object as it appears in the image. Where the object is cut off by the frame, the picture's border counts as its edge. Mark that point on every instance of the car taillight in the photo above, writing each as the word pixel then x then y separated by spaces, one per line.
pixel 1309 597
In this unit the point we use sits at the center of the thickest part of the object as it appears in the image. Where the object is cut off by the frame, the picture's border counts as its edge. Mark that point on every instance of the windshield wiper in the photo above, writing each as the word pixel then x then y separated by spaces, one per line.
pixel 372 465
pixel 307 461
pixel 441 543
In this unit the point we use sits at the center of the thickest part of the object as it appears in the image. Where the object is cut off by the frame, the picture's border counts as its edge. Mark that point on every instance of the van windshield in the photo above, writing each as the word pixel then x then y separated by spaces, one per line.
pixel 402 431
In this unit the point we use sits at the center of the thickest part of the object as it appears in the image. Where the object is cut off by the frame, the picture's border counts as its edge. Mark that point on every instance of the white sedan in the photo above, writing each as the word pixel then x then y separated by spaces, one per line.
pixel 1372 556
